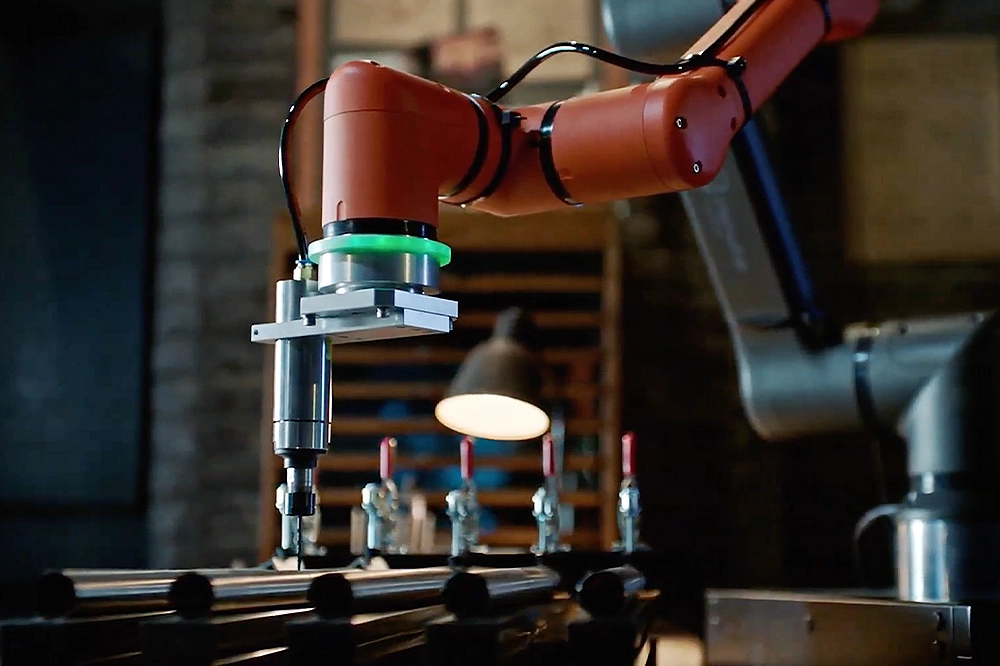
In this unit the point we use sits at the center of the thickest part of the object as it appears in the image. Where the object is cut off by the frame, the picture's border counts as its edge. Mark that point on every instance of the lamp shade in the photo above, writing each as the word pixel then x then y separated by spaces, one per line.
pixel 497 390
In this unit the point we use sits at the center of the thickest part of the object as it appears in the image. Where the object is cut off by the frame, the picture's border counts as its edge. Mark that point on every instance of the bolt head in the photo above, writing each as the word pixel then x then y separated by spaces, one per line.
pixel 680 122
pixel 696 167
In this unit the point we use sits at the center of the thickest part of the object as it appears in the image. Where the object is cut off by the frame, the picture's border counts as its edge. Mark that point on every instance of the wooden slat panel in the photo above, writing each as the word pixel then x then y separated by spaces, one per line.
pixel 505 537
pixel 361 426
pixel 567 319
pixel 569 230
pixel 365 354
pixel 611 372
pixel 368 462
pixel 388 390
pixel 435 390
pixel 504 498
pixel 509 282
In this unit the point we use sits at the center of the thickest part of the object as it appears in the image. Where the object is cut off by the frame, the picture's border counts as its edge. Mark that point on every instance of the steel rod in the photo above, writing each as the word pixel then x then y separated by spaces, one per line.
pixel 70 640
pixel 347 593
pixel 196 595
pixel 102 592
pixel 188 642
pixel 359 639
pixel 606 592
pixel 479 591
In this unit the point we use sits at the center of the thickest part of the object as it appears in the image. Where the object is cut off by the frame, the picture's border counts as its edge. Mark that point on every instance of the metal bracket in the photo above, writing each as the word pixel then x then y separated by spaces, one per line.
pixel 367 314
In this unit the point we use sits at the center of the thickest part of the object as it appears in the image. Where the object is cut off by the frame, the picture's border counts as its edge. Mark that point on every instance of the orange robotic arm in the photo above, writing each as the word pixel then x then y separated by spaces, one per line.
pixel 395 144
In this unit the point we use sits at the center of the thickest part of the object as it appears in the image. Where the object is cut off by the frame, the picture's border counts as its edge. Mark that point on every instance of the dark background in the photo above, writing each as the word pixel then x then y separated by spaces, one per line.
pixel 78 120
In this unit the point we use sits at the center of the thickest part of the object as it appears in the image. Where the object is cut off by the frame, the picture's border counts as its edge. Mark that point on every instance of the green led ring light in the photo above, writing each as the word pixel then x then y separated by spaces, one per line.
pixel 380 244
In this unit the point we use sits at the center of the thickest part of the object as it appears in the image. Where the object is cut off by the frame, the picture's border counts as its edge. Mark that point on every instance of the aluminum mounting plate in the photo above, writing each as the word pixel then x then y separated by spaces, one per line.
pixel 364 315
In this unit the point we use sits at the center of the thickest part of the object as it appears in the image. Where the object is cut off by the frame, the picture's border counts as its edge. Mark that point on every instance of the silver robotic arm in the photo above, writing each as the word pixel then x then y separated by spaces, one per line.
pixel 796 376
pixel 934 381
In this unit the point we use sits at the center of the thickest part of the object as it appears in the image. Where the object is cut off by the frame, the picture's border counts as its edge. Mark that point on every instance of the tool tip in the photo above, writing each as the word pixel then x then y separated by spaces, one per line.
pixel 298 549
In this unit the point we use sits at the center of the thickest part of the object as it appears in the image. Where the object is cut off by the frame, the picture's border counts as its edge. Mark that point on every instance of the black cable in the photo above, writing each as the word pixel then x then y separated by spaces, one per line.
pixel 294 213
pixel 638 66
pixel 706 58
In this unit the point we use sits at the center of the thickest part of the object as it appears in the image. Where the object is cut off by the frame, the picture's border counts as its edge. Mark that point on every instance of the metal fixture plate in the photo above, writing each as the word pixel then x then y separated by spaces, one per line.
pixel 769 628
pixel 364 315
pixel 329 305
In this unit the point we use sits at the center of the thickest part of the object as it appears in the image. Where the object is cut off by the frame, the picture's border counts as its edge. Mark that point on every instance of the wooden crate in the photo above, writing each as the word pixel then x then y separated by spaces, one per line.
pixel 565 269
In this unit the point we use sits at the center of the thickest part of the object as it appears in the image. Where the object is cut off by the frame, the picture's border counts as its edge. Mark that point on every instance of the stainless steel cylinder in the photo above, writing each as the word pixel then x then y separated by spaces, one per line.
pixel 946 559
pixel 95 592
pixel 302 376
pixel 197 595
pixel 478 591
pixel 302 399
pixel 341 272
pixel 351 592
pixel 607 592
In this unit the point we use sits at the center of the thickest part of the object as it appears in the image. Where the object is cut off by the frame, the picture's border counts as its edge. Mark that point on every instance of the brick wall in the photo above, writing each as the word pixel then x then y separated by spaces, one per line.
pixel 227 78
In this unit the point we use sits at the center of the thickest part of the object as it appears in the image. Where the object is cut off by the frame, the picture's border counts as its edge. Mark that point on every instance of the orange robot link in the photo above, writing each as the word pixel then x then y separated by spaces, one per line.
pixel 395 144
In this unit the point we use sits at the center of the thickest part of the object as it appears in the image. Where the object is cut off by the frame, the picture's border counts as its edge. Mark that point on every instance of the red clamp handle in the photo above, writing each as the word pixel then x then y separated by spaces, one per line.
pixel 548 456
pixel 467 461
pixel 628 454
pixel 386 457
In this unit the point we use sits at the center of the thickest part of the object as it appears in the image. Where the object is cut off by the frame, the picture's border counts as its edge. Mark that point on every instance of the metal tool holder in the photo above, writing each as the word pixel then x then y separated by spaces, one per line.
pixel 381 506
pixel 545 502
pixel 462 506
pixel 354 287
pixel 629 508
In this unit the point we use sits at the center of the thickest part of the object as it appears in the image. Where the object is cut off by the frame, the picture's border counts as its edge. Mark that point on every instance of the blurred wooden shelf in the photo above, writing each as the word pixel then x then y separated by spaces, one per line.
pixel 521 283
pixel 506 537
pixel 368 462
pixel 505 498
pixel 384 355
pixel 376 390
pixel 565 230
pixel 542 319
pixel 379 427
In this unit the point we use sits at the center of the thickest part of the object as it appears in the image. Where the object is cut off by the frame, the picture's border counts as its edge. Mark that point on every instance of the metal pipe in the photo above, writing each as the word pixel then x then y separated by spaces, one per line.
pixel 197 595
pixel 362 639
pixel 606 592
pixel 277 656
pixel 347 593
pixel 478 591
pixel 95 591
pixel 28 642
pixel 204 640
